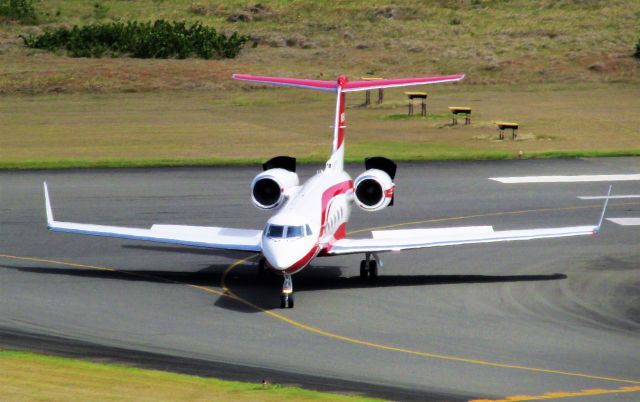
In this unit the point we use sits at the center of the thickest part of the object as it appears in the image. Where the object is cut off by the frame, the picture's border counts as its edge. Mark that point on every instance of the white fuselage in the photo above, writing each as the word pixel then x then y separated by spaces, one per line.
pixel 312 218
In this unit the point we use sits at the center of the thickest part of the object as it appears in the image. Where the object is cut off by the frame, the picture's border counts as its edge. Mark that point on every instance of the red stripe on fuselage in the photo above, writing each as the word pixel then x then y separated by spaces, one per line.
pixel 327 196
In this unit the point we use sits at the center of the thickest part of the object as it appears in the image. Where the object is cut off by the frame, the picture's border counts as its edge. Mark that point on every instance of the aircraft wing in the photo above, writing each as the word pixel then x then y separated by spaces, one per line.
pixel 197 236
pixel 396 240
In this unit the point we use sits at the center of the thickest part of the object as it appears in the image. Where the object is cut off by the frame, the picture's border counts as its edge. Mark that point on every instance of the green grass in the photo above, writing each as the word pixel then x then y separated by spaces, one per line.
pixel 186 128
pixel 417 155
pixel 29 376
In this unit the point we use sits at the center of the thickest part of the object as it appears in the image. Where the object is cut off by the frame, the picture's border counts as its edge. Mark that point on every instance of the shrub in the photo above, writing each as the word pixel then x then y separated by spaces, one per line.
pixel 159 39
pixel 637 53
pixel 19 10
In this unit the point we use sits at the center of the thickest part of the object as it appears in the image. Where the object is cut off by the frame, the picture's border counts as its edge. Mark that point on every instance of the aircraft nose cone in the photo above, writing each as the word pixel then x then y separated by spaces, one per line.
pixel 276 255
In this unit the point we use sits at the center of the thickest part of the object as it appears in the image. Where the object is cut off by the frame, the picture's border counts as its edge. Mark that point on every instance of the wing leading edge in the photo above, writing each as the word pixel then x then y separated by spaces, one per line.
pixel 196 236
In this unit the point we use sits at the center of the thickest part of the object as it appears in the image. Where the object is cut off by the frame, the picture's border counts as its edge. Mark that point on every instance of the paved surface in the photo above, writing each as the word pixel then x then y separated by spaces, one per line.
pixel 455 323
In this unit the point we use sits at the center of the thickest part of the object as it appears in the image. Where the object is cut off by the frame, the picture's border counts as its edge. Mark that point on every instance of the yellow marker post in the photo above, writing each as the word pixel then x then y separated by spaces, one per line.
pixel 367 99
pixel 503 125
pixel 464 110
pixel 417 95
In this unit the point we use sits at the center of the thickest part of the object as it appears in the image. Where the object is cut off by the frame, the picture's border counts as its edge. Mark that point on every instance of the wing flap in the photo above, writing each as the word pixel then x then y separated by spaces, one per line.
pixel 405 241
pixel 430 233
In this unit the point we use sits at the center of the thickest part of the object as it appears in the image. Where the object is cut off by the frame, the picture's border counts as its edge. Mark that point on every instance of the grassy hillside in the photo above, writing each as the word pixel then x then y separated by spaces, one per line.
pixel 493 41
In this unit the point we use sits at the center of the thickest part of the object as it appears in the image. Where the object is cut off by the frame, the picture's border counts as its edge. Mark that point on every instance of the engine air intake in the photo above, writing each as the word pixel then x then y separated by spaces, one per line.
pixel 266 191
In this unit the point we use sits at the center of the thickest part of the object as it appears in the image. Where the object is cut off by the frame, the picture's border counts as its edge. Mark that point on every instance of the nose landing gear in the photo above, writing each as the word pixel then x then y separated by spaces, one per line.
pixel 286 299
pixel 369 267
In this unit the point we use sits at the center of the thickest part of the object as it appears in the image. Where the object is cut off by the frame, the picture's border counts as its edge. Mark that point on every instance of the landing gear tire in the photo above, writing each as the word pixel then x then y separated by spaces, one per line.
pixel 370 272
pixel 286 298
pixel 373 270
pixel 286 301
pixel 363 270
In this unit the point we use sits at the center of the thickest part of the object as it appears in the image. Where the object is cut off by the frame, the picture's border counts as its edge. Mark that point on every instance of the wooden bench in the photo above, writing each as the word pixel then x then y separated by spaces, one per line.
pixel 456 110
pixel 367 98
pixel 417 95
pixel 503 125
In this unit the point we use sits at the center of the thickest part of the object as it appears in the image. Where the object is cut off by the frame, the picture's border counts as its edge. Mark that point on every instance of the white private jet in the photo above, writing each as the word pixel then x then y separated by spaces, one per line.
pixel 310 219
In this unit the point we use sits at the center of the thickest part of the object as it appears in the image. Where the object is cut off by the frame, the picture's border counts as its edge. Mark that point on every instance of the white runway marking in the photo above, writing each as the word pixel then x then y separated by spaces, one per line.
pixel 611 197
pixel 625 221
pixel 566 179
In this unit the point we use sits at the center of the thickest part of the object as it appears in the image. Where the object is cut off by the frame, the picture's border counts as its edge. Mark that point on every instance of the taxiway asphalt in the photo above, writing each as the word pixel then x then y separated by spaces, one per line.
pixel 451 323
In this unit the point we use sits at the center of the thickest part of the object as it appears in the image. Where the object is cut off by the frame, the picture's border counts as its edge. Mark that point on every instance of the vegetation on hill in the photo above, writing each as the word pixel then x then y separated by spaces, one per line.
pixel 493 41
pixel 160 39
pixel 22 11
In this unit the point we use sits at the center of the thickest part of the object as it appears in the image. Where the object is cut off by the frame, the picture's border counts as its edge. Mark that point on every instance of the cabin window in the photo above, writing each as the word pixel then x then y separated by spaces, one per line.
pixel 309 232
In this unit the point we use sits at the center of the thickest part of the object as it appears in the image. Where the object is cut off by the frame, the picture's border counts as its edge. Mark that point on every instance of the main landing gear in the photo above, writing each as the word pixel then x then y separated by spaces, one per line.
pixel 286 299
pixel 369 267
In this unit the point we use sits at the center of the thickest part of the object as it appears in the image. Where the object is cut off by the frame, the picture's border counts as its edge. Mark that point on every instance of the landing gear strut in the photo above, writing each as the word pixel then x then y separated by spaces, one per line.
pixel 369 267
pixel 262 267
pixel 286 299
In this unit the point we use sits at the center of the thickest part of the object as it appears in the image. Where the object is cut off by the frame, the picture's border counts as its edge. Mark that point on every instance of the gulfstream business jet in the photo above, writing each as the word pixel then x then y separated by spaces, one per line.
pixel 310 219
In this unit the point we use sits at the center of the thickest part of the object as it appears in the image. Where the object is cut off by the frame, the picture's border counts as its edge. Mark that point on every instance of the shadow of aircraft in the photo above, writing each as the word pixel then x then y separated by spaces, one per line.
pixel 233 255
pixel 264 290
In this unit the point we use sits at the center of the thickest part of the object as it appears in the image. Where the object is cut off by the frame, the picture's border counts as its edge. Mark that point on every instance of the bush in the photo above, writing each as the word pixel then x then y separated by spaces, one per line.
pixel 160 39
pixel 19 10
pixel 637 53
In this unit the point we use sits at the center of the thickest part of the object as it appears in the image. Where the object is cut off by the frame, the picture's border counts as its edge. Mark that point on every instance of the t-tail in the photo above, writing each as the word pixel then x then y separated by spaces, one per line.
pixel 341 86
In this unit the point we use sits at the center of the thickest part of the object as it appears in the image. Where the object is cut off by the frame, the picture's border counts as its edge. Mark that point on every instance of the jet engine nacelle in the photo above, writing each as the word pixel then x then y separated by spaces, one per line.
pixel 374 190
pixel 268 189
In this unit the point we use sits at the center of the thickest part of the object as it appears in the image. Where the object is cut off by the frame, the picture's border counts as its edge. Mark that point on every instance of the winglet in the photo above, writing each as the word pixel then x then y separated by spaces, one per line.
pixel 604 208
pixel 48 206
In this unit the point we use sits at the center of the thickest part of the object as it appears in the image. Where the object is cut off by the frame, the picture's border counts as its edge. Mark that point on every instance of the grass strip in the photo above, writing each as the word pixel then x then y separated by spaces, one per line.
pixel 29 376
pixel 162 163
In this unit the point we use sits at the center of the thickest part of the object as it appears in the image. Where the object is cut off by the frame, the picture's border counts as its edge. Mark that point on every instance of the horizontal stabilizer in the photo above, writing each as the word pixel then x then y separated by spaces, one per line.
pixel 349 86
pixel 289 82
pixel 354 86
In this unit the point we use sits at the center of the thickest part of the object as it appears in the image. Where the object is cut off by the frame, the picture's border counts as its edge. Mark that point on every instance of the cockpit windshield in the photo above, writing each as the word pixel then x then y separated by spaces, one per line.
pixel 275 231
pixel 289 232
pixel 295 231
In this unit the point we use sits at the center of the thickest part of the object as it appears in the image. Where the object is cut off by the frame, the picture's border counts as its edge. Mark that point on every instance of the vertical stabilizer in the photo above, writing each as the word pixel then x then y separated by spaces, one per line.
pixel 336 160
